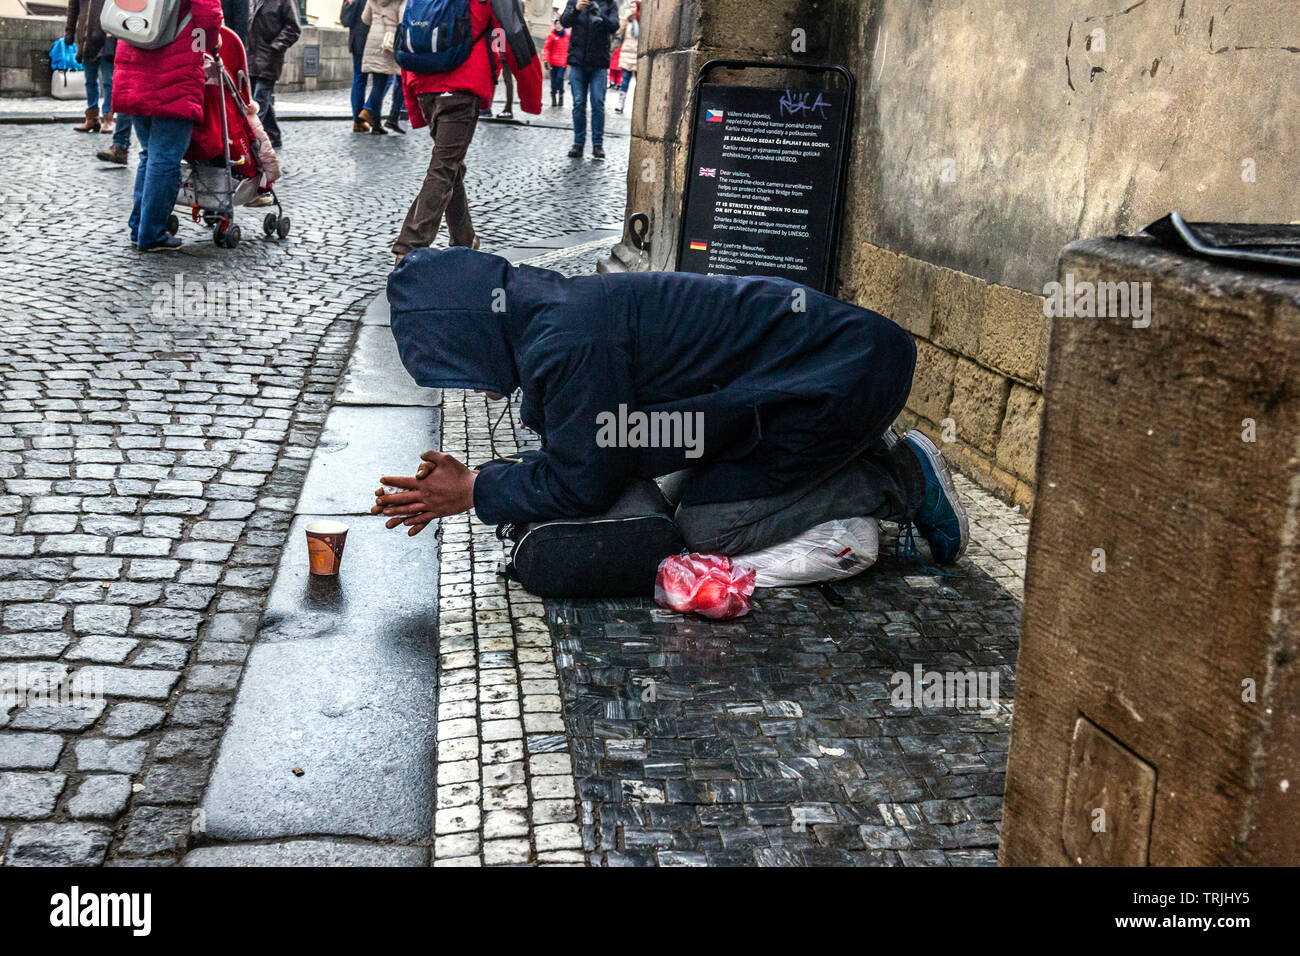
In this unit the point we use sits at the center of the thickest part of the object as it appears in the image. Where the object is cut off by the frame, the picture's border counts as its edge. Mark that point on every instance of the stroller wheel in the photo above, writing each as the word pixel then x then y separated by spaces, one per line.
pixel 269 224
pixel 226 236
pixel 282 227
pixel 173 224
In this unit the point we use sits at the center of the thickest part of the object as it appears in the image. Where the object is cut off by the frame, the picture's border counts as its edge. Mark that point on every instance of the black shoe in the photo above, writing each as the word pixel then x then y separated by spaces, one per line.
pixel 395 126
pixel 170 244
pixel 484 114
pixel 597 152
pixel 575 152
pixel 506 114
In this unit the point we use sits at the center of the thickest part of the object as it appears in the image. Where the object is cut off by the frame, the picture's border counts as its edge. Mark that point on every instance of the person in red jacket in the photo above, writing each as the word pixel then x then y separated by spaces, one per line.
pixel 555 51
pixel 162 90
pixel 449 103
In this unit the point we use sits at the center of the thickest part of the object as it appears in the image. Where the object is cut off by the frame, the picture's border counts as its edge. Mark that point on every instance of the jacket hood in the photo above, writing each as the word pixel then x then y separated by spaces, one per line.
pixel 453 321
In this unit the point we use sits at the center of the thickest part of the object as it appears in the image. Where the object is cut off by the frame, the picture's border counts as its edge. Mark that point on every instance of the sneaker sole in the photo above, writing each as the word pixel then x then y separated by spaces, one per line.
pixel 935 458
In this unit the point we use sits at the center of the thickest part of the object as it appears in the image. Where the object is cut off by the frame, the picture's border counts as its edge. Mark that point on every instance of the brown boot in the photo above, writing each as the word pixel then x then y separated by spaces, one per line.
pixel 360 127
pixel 365 117
pixel 106 123
pixel 91 125
pixel 114 154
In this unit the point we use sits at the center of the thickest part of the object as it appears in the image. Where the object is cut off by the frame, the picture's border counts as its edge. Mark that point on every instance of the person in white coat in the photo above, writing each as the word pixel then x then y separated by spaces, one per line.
pixel 629 35
pixel 382 16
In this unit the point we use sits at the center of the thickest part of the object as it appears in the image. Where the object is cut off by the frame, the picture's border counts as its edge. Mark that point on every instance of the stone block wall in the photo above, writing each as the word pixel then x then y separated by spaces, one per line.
pixel 335 62
pixel 981 354
pixel 23 37
pixel 20 38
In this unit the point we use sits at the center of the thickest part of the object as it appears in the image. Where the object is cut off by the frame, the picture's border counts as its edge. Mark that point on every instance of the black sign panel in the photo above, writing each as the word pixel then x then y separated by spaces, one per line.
pixel 311 60
pixel 764 174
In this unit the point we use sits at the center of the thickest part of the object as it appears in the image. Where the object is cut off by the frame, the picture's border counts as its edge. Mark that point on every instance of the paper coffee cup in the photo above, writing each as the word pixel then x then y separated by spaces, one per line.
pixel 325 545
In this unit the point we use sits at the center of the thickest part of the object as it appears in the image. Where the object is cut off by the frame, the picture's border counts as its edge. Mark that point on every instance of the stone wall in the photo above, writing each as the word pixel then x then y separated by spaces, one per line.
pixel 988 136
pixel 24 38
pixel 335 62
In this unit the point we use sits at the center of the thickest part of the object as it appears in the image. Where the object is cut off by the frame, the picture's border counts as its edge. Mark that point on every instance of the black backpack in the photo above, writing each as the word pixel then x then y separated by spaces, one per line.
pixel 350 15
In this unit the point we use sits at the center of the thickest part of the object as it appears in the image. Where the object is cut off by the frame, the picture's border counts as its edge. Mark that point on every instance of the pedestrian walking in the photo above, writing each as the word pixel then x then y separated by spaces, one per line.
pixel 162 91
pixel 629 35
pixel 592 23
pixel 555 53
pixel 448 102
pixel 272 28
pixel 234 13
pixel 358 30
pixel 97 51
pixel 382 18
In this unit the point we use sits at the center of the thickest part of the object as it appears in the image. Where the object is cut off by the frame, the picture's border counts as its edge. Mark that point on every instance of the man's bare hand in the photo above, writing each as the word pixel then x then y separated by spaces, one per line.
pixel 441 486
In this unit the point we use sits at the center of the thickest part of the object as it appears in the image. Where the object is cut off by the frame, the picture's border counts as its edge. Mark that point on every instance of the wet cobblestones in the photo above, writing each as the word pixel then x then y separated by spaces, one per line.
pixel 151 457
pixel 776 740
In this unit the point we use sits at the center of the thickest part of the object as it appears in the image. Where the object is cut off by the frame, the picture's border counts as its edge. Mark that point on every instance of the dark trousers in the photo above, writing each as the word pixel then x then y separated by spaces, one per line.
pixel 884 484
pixel 264 95
pixel 557 81
pixel 452 118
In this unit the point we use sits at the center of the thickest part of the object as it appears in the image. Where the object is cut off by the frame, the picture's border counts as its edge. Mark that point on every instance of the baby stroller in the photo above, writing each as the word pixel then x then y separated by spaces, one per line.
pixel 229 162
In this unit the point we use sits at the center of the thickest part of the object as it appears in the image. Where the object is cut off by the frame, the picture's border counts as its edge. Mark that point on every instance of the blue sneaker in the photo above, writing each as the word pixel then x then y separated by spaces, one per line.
pixel 941 520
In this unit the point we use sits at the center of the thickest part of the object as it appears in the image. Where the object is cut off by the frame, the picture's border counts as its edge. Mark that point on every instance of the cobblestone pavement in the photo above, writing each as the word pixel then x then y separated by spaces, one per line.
pixel 151 455
pixel 776 739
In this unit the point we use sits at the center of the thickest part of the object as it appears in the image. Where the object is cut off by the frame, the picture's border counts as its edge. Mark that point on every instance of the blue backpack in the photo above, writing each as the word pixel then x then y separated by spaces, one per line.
pixel 434 36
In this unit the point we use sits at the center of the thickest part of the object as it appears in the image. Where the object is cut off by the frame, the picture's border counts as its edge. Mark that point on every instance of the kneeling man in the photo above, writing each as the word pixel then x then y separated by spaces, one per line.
pixel 766 404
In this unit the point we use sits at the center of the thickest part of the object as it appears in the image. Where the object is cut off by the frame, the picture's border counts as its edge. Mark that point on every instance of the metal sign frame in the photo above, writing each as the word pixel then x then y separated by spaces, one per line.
pixel 830 270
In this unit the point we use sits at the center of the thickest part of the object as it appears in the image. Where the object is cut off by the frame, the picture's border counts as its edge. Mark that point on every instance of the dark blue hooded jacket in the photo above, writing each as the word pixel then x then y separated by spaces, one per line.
pixel 784 394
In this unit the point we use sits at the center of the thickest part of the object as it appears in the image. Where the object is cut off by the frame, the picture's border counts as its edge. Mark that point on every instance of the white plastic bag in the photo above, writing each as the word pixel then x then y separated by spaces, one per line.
pixel 827 552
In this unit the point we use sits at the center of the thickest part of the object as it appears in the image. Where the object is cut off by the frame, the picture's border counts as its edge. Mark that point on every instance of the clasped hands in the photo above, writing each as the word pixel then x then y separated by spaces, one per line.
pixel 441 486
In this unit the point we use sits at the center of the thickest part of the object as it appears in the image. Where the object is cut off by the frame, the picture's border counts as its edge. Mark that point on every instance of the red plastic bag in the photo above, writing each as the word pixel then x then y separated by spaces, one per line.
pixel 707 584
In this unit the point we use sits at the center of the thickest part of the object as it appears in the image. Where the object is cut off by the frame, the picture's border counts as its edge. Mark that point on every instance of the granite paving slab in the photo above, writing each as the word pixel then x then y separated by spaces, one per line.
pixel 341 686
pixel 375 374
pixel 308 853
pixel 377 312
pixel 360 444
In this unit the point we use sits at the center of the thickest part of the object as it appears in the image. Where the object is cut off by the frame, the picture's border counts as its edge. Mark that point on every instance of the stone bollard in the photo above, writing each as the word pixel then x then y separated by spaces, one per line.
pixel 1157 705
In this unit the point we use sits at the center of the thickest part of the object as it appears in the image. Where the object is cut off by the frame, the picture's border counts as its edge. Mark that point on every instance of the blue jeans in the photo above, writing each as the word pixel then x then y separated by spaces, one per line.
pixel 358 86
pixel 99 79
pixel 584 80
pixel 557 80
pixel 163 142
pixel 122 130
pixel 627 80
pixel 264 95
